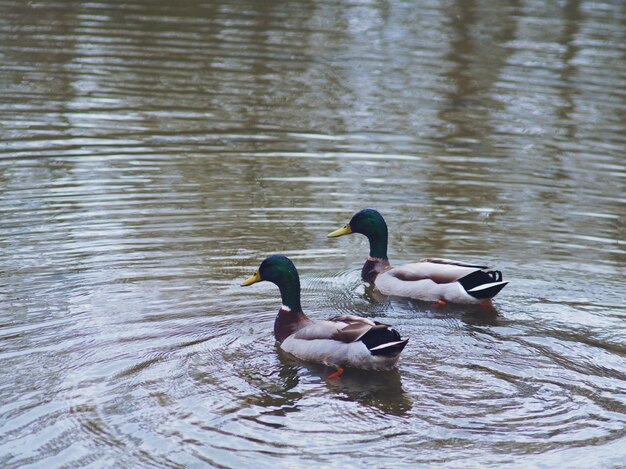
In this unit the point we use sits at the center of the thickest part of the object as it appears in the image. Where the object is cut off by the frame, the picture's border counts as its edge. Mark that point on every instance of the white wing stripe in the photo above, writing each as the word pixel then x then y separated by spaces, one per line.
pixel 388 344
pixel 485 286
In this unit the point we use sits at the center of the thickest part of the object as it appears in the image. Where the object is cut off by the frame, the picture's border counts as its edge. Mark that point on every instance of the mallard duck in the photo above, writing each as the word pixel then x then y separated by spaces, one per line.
pixel 344 340
pixel 431 279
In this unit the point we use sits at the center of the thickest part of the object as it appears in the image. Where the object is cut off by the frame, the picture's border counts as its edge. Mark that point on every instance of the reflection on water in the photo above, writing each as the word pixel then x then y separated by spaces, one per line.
pixel 382 391
pixel 152 153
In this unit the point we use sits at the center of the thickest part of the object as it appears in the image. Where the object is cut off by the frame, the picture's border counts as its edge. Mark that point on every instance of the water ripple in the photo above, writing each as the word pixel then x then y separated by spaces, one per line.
pixel 153 154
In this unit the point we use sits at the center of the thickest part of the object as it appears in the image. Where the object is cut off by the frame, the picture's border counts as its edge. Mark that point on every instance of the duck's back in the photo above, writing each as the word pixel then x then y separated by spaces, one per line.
pixel 429 280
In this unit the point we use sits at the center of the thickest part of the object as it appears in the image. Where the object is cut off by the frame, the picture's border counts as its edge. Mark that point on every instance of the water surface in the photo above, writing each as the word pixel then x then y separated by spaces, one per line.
pixel 153 153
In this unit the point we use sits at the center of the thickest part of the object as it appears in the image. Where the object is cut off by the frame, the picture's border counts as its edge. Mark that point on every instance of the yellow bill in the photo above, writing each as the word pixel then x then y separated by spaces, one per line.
pixel 341 231
pixel 253 279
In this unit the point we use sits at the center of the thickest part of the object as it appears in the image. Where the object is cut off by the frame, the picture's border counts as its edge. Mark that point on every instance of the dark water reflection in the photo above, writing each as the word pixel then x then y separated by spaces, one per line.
pixel 152 153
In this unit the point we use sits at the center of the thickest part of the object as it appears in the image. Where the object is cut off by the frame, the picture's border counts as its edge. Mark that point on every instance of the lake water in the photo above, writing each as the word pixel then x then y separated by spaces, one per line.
pixel 153 152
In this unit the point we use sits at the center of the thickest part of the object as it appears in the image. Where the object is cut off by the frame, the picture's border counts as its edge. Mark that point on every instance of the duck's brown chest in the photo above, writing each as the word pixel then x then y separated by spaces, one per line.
pixel 287 322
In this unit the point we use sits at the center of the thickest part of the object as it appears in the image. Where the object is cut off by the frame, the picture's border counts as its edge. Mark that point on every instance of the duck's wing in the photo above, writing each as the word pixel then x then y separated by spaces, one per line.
pixel 338 328
pixel 437 260
pixel 437 270
pixel 345 328
pixel 319 330
pixel 357 329
pixel 380 339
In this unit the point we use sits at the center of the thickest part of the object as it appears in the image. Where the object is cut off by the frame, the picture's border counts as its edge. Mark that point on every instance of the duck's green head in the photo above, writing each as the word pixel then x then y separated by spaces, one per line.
pixel 370 223
pixel 279 270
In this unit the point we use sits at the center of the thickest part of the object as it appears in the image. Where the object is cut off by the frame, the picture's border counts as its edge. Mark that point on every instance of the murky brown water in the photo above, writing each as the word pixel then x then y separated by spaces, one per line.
pixel 153 153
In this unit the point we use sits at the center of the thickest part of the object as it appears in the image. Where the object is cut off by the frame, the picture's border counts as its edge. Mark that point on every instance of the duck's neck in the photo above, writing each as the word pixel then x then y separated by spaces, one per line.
pixel 378 238
pixel 289 287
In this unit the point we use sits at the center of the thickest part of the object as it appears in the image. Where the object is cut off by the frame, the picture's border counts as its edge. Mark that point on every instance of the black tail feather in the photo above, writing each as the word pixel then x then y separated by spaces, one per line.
pixel 379 337
pixel 482 277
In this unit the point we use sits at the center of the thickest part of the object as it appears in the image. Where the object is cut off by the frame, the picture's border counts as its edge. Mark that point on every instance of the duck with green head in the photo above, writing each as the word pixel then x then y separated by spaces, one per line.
pixel 344 340
pixel 429 279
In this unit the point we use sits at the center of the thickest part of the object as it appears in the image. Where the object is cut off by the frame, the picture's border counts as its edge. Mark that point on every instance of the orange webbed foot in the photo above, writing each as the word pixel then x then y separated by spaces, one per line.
pixel 336 374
